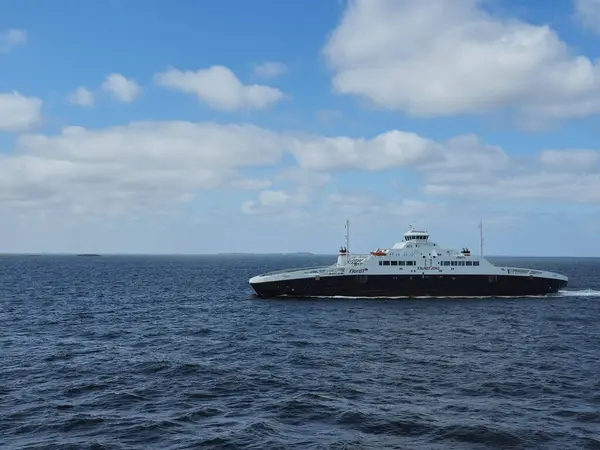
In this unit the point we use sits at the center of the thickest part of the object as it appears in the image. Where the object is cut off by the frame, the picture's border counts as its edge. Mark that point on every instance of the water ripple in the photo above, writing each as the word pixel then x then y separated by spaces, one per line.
pixel 174 353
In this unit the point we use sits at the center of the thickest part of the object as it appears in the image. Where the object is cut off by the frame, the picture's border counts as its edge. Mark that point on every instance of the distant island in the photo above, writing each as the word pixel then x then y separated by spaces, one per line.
pixel 266 254
pixel 88 254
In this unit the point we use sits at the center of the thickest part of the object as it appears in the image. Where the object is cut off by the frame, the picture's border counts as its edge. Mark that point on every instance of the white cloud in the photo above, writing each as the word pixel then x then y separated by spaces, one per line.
pixel 11 38
pixel 277 203
pixel 578 159
pixel 587 13
pixel 304 179
pixel 360 204
pixel 571 176
pixel 19 113
pixel 81 97
pixel 461 158
pixel 146 166
pixel 269 69
pixel 219 88
pixel 289 203
pixel 250 184
pixel 120 88
pixel 395 149
pixel 557 187
pixel 384 51
pixel 121 169
pixel 391 149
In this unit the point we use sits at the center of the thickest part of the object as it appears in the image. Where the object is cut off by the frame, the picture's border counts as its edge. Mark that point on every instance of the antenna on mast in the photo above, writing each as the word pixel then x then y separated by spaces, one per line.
pixel 347 236
pixel 481 237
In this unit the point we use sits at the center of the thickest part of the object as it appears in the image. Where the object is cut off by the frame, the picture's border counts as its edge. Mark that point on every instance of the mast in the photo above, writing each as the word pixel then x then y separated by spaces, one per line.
pixel 347 236
pixel 481 237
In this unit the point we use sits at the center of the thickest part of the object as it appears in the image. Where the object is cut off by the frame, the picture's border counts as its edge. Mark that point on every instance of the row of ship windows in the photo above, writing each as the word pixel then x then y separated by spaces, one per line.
pixel 460 263
pixel 397 263
pixel 443 263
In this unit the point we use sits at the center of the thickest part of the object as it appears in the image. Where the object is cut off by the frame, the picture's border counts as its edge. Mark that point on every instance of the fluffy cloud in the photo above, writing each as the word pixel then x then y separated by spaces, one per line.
pixel 558 187
pixel 120 88
pixel 588 14
pixel 555 175
pixel 11 38
pixel 141 165
pixel 219 88
pixel 305 179
pixel 396 149
pixel 385 52
pixel 368 205
pixel 19 113
pixel 154 165
pixel 250 184
pixel 81 97
pixel 576 159
pixel 277 203
pixel 461 158
pixel 269 69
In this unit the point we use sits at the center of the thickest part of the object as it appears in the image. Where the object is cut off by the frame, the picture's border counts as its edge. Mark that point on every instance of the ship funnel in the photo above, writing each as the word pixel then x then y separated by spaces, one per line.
pixel 342 256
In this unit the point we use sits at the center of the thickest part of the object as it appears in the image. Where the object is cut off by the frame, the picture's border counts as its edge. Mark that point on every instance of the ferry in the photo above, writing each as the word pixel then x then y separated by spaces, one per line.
pixel 413 267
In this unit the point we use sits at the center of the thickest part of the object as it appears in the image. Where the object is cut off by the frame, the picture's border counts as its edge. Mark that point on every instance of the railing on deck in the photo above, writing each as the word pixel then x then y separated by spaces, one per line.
pixel 354 260
pixel 320 270
pixel 296 269
pixel 521 271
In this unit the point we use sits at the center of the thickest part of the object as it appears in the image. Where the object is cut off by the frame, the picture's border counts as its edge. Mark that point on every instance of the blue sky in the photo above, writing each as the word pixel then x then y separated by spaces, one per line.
pixel 200 127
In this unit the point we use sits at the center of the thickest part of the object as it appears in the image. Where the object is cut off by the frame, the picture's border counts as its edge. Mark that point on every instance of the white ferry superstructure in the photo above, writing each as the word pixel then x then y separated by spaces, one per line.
pixel 413 267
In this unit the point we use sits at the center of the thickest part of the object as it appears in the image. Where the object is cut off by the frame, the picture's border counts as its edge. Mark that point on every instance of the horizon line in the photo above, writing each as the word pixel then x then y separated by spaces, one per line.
pixel 299 253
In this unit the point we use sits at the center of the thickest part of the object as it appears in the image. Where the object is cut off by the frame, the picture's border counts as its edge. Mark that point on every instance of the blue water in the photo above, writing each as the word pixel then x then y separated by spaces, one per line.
pixel 176 353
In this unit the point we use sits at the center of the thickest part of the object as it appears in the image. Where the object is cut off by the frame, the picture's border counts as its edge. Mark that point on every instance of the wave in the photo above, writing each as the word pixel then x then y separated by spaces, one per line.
pixel 579 293
pixel 560 293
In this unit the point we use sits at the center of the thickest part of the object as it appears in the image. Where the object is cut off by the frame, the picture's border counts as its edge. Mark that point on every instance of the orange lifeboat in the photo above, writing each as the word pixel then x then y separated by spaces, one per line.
pixel 379 252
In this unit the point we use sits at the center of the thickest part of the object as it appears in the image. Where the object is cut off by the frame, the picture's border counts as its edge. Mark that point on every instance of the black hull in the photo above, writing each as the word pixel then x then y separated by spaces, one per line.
pixel 410 286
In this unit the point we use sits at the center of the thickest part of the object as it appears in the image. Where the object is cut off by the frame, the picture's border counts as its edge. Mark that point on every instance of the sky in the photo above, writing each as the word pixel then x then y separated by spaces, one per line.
pixel 236 126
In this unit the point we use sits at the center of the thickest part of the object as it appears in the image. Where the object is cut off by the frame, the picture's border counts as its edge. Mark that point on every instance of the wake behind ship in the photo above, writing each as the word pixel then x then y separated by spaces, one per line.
pixel 413 267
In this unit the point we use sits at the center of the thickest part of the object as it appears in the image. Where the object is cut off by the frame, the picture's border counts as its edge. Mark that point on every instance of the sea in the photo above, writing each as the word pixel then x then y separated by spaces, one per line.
pixel 175 352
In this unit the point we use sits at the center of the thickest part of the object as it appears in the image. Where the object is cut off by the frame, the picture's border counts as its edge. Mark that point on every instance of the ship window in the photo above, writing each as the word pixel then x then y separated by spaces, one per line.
pixel 386 263
pixel 453 263
pixel 394 263
pixel 401 263
pixel 381 263
pixel 469 263
pixel 461 263
pixel 475 263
